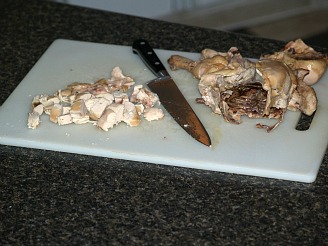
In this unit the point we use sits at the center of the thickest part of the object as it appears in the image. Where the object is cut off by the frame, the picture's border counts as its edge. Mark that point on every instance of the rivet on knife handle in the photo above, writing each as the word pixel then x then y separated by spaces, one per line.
pixel 149 57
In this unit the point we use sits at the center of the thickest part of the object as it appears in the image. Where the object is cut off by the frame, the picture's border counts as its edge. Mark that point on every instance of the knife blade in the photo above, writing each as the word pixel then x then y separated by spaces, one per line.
pixel 169 94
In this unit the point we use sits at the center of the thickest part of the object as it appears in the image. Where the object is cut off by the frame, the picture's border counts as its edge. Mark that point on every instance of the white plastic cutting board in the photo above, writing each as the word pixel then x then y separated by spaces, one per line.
pixel 284 153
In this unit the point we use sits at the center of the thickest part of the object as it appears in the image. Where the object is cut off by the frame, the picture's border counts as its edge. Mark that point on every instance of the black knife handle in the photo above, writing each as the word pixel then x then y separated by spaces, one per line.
pixel 142 48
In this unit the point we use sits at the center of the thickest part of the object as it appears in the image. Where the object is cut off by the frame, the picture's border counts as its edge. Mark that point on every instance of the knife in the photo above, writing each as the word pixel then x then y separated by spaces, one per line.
pixel 169 94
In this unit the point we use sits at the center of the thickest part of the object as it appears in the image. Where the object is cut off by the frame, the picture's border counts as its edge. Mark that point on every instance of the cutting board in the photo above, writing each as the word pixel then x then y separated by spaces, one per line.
pixel 285 153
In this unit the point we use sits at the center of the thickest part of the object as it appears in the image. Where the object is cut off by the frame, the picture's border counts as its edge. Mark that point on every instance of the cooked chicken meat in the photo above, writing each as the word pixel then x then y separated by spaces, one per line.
pixel 118 81
pixel 144 96
pixel 229 66
pixel 301 57
pixel 64 119
pixel 118 109
pixel 98 108
pixel 33 120
pixel 104 103
pixel 56 111
pixel 130 114
pixel 107 119
pixel 233 86
pixel 151 114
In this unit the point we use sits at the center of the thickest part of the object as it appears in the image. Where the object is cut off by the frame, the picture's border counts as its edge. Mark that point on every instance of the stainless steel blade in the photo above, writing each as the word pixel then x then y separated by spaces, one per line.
pixel 177 106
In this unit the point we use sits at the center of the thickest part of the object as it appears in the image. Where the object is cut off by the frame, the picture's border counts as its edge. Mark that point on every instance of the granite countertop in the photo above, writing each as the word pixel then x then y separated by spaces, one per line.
pixel 51 198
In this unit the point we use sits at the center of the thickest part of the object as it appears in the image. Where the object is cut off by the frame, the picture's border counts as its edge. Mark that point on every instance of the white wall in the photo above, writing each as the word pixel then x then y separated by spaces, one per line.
pixel 144 8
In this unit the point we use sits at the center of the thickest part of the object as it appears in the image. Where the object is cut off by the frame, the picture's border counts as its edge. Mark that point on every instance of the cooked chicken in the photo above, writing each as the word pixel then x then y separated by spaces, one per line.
pixel 229 66
pixel 280 83
pixel 144 96
pixel 108 96
pixel 64 119
pixel 299 56
pixel 140 108
pixel 78 109
pixel 83 96
pixel 120 97
pixel 304 99
pixel 118 109
pixel 98 108
pixel 234 86
pixel 130 114
pixel 151 114
pixel 33 120
pixel 56 111
pixel 104 103
pixel 118 81
pixel 38 109
pixel 107 120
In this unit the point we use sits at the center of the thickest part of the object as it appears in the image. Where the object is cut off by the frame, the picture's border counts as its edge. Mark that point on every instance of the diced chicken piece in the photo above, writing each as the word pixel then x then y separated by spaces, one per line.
pixel 83 96
pixel 118 81
pixel 78 109
pixel 56 111
pixel 47 105
pixel 107 119
pixel 108 96
pixel 101 82
pixel 64 93
pixel 134 96
pixel 153 114
pixel 53 99
pixel 99 90
pixel 98 108
pixel 91 102
pixel 81 120
pixel 120 97
pixel 33 120
pixel 64 119
pixel 66 110
pixel 144 96
pixel 130 115
pixel 78 87
pixel 43 98
pixel 79 112
pixel 100 87
pixel 36 101
pixel 38 109
pixel 118 109
pixel 140 108
pixel 71 98
pixel 117 74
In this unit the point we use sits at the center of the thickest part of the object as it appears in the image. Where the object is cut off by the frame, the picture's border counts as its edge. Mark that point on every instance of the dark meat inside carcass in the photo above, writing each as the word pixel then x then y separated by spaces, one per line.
pixel 247 99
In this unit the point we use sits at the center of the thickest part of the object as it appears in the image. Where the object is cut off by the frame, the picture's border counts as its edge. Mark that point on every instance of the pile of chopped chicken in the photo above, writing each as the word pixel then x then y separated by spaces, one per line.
pixel 233 86
pixel 104 103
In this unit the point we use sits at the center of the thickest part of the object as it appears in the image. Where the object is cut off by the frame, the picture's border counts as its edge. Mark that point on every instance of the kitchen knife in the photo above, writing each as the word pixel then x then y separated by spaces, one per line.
pixel 169 94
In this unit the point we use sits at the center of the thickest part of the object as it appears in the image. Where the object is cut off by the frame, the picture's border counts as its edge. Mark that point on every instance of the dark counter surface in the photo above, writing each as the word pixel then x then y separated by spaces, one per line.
pixel 51 198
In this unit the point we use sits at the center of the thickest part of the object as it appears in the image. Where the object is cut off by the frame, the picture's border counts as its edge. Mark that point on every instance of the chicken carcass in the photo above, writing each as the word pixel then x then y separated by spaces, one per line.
pixel 233 86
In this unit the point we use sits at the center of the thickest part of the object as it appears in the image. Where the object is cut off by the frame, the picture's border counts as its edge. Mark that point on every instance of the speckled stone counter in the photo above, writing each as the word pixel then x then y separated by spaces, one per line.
pixel 58 198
